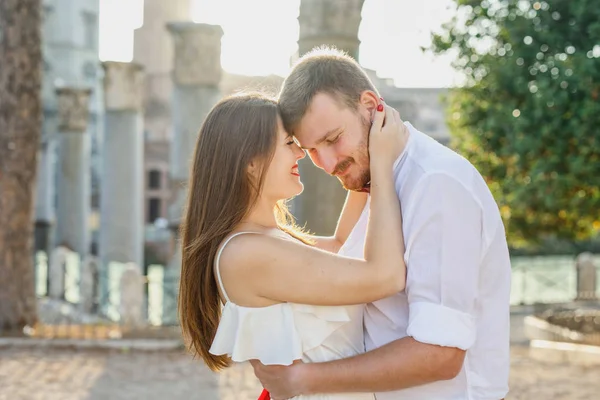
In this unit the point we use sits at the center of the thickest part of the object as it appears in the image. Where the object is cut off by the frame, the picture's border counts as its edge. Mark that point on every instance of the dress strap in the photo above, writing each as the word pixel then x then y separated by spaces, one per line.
pixel 218 258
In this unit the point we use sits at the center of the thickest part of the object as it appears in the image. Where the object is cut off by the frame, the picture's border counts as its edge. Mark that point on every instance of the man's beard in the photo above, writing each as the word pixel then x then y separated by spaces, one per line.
pixel 362 152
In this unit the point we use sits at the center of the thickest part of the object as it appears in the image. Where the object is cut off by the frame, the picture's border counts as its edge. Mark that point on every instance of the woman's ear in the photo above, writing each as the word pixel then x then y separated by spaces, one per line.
pixel 253 169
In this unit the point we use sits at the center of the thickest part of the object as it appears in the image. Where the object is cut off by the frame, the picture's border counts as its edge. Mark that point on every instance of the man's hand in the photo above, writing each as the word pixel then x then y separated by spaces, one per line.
pixel 282 382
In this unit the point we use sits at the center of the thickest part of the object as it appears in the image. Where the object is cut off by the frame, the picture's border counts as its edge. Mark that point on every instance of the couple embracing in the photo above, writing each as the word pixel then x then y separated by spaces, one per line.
pixel 409 299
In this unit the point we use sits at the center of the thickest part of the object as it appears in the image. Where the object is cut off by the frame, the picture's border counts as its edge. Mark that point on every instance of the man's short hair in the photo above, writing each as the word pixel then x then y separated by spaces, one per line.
pixel 322 70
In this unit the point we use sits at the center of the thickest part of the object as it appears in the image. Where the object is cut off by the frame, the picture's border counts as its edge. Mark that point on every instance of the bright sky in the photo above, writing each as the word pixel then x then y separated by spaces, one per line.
pixel 254 43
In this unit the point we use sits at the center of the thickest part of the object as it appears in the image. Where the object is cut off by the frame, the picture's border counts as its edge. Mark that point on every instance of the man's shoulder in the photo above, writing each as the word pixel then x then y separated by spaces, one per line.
pixel 440 168
pixel 429 158
pixel 433 156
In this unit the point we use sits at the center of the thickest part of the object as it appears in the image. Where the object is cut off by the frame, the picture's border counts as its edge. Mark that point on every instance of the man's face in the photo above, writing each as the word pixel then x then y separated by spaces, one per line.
pixel 336 139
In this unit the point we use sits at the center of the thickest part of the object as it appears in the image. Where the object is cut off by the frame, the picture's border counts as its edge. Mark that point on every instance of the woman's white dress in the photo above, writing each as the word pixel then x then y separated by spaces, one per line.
pixel 284 332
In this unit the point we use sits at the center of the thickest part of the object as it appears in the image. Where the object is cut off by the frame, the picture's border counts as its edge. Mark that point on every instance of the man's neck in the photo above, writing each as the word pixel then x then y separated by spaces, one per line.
pixel 366 188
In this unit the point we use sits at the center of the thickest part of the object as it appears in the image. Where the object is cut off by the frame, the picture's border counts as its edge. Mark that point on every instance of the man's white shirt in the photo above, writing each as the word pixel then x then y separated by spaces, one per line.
pixel 458 279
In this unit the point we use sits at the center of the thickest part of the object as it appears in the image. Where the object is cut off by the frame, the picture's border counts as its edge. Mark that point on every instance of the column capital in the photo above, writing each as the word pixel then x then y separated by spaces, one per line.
pixel 330 22
pixel 73 109
pixel 197 53
pixel 123 86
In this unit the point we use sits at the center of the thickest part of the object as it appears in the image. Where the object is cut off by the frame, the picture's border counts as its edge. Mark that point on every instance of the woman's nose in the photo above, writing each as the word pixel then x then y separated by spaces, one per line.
pixel 300 153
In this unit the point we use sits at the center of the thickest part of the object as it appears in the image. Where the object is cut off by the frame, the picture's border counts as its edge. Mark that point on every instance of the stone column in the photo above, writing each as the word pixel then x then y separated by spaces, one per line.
pixel 121 206
pixel 334 23
pixel 73 196
pixel 131 308
pixel 196 77
pixel 153 49
pixel 45 217
pixel 152 46
pixel 88 284
pixel 330 22
pixel 586 277
pixel 56 273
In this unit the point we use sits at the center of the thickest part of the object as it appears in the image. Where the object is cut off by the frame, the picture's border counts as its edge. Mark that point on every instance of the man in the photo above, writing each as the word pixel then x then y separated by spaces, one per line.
pixel 447 335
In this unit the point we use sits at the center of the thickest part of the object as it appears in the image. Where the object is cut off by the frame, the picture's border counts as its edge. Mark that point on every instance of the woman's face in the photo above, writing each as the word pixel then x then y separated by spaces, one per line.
pixel 282 178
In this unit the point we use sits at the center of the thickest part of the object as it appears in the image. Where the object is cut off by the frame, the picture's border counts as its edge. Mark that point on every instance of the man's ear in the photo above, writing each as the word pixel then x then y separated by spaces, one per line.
pixel 369 100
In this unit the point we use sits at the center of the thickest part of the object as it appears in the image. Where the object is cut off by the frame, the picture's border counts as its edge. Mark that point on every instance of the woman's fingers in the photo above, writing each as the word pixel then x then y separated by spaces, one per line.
pixel 378 119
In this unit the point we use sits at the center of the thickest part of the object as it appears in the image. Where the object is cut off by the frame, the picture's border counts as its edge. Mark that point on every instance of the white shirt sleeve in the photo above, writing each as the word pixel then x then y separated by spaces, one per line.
pixel 443 256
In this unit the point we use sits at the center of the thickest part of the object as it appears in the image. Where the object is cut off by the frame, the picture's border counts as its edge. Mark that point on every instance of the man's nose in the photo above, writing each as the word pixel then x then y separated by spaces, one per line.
pixel 324 161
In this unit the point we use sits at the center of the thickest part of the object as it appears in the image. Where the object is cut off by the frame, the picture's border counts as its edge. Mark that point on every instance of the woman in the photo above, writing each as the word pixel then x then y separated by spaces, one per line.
pixel 253 286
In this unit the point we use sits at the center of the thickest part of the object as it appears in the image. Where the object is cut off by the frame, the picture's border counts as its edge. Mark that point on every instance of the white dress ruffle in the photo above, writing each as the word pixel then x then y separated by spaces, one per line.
pixel 277 334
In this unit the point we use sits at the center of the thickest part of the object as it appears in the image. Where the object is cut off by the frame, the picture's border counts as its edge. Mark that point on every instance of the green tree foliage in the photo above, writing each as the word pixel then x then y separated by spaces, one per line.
pixel 528 115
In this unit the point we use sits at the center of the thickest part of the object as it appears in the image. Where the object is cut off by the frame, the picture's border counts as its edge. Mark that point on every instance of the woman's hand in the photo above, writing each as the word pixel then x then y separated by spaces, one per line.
pixel 387 138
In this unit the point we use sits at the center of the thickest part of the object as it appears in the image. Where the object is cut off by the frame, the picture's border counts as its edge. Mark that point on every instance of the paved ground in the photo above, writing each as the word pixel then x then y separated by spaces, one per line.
pixel 59 374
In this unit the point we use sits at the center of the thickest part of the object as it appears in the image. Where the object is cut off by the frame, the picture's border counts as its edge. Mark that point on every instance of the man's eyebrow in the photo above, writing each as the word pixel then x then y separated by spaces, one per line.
pixel 324 137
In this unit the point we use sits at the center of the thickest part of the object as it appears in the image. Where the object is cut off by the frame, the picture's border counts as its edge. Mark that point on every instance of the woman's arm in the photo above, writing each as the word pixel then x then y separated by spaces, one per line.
pixel 287 271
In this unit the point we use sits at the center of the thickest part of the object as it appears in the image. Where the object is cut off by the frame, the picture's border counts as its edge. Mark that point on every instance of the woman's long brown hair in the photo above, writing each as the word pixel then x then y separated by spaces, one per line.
pixel 239 129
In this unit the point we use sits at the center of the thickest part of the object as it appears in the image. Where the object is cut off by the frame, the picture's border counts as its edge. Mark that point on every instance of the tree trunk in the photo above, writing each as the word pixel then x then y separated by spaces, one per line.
pixel 20 126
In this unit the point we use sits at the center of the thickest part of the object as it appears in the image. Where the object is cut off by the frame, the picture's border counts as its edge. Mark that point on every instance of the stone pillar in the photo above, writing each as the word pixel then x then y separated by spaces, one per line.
pixel 153 49
pixel 88 284
pixel 131 287
pixel 121 206
pixel 56 273
pixel 586 277
pixel 45 217
pixel 73 196
pixel 334 23
pixel 330 22
pixel 196 78
pixel 70 50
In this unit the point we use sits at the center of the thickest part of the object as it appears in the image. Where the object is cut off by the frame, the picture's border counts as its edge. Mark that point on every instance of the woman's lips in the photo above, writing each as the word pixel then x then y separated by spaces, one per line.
pixel 295 170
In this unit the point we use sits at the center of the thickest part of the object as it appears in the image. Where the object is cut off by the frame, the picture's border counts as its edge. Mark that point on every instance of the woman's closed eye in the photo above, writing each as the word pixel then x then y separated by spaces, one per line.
pixel 291 140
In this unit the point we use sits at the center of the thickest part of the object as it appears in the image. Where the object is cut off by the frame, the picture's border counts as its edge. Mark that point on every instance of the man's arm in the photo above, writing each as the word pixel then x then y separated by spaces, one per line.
pixel 398 365
pixel 443 254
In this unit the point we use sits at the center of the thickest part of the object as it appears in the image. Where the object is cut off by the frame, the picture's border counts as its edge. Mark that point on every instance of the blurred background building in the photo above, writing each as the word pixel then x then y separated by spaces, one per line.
pixel 71 59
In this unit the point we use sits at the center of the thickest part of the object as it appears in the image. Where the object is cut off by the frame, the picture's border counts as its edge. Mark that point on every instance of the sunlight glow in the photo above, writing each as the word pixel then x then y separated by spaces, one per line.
pixel 260 36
